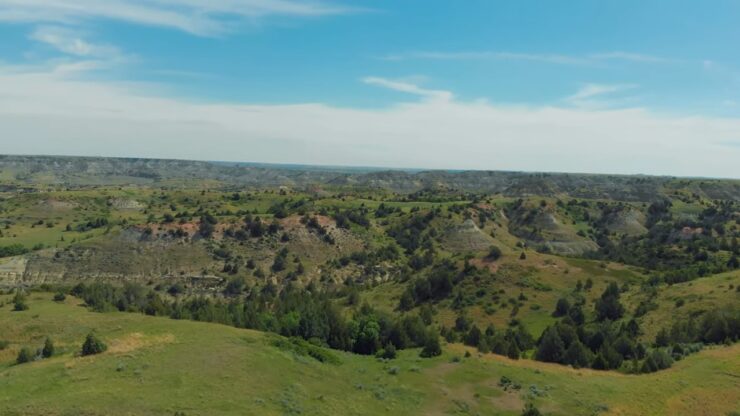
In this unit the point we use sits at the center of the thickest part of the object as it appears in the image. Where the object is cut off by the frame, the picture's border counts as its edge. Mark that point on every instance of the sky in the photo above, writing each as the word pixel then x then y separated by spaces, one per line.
pixel 609 86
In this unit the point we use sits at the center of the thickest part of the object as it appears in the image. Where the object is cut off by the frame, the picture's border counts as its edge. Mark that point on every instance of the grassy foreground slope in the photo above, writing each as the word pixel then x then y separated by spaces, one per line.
pixel 160 366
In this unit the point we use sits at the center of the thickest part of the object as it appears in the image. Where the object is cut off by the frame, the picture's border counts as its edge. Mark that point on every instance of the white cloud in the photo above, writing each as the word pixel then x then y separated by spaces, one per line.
pixel 592 95
pixel 72 42
pixel 48 112
pixel 628 56
pixel 550 58
pixel 211 17
pixel 408 87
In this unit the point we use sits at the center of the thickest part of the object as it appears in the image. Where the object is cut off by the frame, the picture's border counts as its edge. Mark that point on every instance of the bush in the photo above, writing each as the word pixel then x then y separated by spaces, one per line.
pixel 388 353
pixel 93 345
pixel 431 347
pixel 19 302
pixel 59 297
pixel 4 344
pixel 530 410
pixel 562 307
pixel 48 349
pixel 494 253
pixel 24 355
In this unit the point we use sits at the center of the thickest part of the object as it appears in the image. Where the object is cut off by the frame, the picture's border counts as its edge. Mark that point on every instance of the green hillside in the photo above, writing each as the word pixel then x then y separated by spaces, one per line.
pixel 159 366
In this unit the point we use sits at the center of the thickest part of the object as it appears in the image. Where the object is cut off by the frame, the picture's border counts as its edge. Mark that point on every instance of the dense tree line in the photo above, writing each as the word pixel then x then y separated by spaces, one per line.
pixel 294 312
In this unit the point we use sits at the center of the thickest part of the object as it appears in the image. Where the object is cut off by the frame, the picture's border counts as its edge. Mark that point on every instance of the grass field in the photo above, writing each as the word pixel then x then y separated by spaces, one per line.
pixel 158 366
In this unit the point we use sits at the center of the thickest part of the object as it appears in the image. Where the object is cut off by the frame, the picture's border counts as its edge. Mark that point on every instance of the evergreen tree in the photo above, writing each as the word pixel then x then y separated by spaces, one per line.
pixel 431 347
pixel 24 355
pixel 93 345
pixel 513 351
pixel 551 348
pixel 530 410
pixel 473 337
pixel 608 306
pixel 578 355
pixel 561 308
pixel 19 302
pixel 48 349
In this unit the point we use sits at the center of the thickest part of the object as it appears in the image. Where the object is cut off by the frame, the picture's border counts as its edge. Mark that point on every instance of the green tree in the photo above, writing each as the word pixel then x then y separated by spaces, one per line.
pixel 578 355
pixel 431 346
pixel 389 352
pixel 513 351
pixel 24 355
pixel 608 306
pixel 48 349
pixel 93 345
pixel 530 410
pixel 562 307
pixel 19 302
pixel 551 348
pixel 494 253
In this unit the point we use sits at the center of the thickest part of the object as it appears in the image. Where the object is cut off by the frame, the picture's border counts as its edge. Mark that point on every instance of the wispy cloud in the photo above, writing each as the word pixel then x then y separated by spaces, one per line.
pixel 592 95
pixel 198 17
pixel 407 87
pixel 629 56
pixel 72 42
pixel 551 58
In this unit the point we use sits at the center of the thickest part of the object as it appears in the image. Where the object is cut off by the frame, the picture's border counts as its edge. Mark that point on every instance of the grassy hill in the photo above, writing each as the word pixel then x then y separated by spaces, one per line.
pixel 159 366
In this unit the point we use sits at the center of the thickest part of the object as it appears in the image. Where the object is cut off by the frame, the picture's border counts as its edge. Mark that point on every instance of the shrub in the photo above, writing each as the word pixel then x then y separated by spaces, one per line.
pixel 494 253
pixel 389 352
pixel 431 347
pixel 562 307
pixel 93 345
pixel 19 302
pixel 530 410
pixel 59 297
pixel 24 355
pixel 48 349
pixel 4 344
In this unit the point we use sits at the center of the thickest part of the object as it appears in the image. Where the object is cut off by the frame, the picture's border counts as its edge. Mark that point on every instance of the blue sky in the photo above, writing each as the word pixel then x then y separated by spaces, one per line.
pixel 591 86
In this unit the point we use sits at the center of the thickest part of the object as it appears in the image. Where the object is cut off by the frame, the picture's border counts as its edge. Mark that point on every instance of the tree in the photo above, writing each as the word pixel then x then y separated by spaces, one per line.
pixel 207 226
pixel 578 355
pixel 661 338
pixel 407 300
pixel 530 410
pixel 431 346
pixel 234 287
pixel 551 348
pixel 600 363
pixel 608 306
pixel 48 349
pixel 473 337
pixel 562 307
pixel 389 352
pixel 575 313
pixel 24 355
pixel 93 345
pixel 513 351
pixel 19 302
pixel 462 323
pixel 494 253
